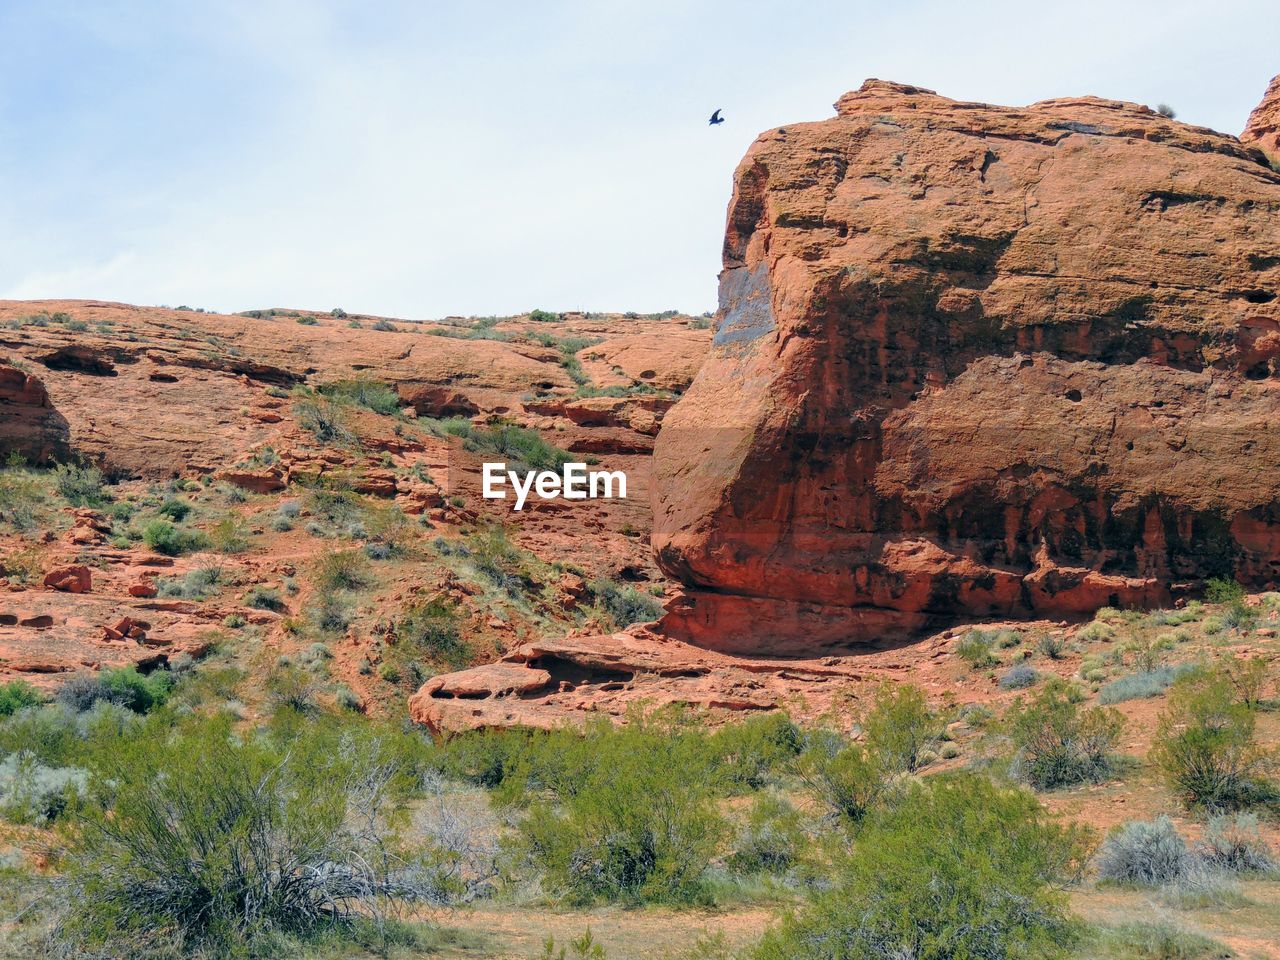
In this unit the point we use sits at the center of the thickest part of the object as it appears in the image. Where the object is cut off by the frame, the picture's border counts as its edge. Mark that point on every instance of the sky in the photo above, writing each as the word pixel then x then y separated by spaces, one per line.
pixel 421 159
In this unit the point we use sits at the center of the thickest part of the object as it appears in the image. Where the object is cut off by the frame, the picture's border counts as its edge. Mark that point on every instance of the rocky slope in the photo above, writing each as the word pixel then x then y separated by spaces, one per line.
pixel 977 361
pixel 206 416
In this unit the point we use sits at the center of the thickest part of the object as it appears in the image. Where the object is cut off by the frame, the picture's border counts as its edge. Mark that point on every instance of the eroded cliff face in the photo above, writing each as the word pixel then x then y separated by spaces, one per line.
pixel 977 361
pixel 1263 128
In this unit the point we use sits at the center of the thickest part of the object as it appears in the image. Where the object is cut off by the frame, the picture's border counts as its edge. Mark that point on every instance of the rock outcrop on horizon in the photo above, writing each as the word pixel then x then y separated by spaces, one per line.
pixel 1263 128
pixel 977 361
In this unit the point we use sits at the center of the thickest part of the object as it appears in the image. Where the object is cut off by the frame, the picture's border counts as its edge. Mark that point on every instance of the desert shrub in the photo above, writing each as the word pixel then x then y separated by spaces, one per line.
pixel 165 538
pixel 384 326
pixel 746 755
pixel 16 695
pixel 543 316
pixel 332 613
pixel 1136 686
pixel 1248 675
pixel 1057 743
pixel 485 758
pixel 960 868
pixel 215 839
pixel 80 486
pixel 431 629
pixel 197 584
pixel 1223 590
pixel 1051 645
pixel 500 562
pixel 229 535
pixel 846 778
pixel 325 420
pixel 31 792
pixel 1156 940
pixel 21 497
pixel 123 686
pixel 347 699
pixel 369 394
pixel 899 728
pixel 1019 677
pixel 630 821
pixel 1238 616
pixel 1144 852
pixel 1095 631
pixel 771 840
pixel 1205 745
pixel 975 649
pixel 1234 844
pixel 624 604
pixel 174 509
pixel 521 448
pixel 280 523
pixel 292 688
pixel 264 598
pixel 341 570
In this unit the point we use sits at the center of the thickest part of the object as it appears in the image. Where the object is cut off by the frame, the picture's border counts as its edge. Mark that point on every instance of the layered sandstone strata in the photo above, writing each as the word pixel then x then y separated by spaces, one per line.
pixel 977 361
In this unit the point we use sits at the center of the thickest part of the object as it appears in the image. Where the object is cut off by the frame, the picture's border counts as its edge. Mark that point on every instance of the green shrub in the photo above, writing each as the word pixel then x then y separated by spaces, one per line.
pixel 1223 590
pixel 31 792
pixel 1205 745
pixel 543 316
pixel 431 628
pixel 22 494
pixel 342 570
pixel 325 420
pixel 369 394
pixel 17 694
pixel 1057 743
pixel 846 778
pixel 196 585
pixel 165 538
pixel 900 728
pixel 1156 940
pixel 264 598
pixel 747 754
pixel 174 509
pixel 623 604
pixel 960 868
pixel 123 686
pixel 631 821
pixel 1051 645
pixel 214 840
pixel 975 649
pixel 772 840
pixel 80 486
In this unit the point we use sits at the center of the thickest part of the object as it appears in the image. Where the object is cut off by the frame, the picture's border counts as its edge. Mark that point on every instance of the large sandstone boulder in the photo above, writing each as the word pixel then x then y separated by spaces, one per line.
pixel 975 360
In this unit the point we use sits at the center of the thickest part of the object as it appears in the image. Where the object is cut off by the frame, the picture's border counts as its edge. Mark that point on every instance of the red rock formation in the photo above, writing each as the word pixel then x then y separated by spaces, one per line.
pixel 547 683
pixel 29 424
pixel 74 578
pixel 974 361
pixel 1263 128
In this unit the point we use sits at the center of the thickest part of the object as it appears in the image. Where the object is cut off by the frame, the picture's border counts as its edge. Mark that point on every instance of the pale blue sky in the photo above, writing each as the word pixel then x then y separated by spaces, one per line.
pixel 421 159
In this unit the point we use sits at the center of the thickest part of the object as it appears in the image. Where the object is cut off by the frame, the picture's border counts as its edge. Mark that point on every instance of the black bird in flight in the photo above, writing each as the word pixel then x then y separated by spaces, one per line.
pixel 716 118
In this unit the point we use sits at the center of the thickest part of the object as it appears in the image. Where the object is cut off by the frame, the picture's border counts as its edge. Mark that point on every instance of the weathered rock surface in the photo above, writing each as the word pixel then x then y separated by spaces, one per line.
pixel 547 683
pixel 977 361
pixel 1263 129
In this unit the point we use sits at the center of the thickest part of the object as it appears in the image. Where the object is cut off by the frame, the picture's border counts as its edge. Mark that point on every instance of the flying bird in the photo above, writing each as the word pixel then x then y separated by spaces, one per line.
pixel 716 118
